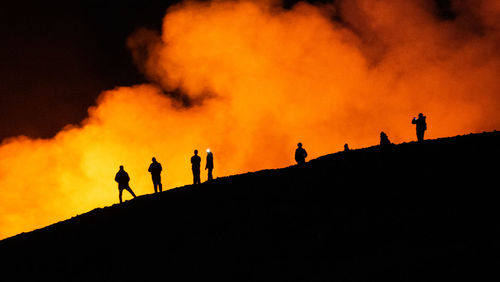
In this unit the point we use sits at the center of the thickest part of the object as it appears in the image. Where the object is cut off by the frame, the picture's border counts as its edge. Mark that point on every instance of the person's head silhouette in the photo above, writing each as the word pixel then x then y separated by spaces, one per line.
pixel 121 167
pixel 196 152
pixel 420 115
pixel 300 145
pixel 154 159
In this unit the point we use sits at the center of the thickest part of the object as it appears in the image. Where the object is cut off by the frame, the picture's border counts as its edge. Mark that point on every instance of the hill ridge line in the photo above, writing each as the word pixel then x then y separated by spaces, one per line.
pixel 337 156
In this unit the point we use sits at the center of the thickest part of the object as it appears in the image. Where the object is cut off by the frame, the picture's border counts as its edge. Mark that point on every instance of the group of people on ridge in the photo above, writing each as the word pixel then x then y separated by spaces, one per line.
pixel 155 168
pixel 196 163
pixel 421 127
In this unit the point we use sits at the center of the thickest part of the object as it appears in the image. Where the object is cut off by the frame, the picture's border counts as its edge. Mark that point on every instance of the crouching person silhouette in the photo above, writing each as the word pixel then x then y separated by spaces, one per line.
pixel 300 154
pixel 384 140
pixel 122 178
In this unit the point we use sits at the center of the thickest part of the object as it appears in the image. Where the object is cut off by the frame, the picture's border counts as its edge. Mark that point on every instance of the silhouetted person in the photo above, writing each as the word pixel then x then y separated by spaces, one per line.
pixel 155 169
pixel 384 140
pixel 195 166
pixel 346 147
pixel 421 126
pixel 300 154
pixel 122 178
pixel 210 165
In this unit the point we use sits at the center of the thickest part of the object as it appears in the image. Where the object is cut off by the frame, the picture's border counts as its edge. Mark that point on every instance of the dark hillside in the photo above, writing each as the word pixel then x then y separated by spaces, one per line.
pixel 412 212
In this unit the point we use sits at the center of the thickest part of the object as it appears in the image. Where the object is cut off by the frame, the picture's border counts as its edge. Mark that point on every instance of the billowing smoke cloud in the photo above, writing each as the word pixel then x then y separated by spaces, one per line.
pixel 252 80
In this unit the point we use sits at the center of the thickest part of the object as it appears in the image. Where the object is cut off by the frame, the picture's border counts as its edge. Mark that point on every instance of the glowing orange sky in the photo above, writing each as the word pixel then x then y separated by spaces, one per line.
pixel 264 78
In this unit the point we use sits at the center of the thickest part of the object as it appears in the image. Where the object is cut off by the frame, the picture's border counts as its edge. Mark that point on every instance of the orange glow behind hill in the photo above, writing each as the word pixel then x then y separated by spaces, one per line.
pixel 262 79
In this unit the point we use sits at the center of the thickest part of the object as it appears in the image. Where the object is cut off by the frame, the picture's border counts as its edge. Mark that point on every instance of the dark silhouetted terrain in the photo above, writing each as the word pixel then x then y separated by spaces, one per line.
pixel 415 212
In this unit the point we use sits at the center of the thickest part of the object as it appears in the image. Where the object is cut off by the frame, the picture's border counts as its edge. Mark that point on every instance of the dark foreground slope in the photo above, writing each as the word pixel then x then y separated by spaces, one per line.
pixel 414 212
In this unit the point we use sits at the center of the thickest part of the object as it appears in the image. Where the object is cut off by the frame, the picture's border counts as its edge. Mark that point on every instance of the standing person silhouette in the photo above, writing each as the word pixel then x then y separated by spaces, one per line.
pixel 122 178
pixel 195 167
pixel 300 154
pixel 155 169
pixel 421 126
pixel 210 165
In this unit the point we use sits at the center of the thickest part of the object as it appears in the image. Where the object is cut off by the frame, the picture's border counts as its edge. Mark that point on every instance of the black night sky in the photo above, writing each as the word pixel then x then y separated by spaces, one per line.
pixel 57 58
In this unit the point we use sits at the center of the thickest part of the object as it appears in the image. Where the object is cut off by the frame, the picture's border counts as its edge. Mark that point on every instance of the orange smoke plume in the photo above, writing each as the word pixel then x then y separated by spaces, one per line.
pixel 252 80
